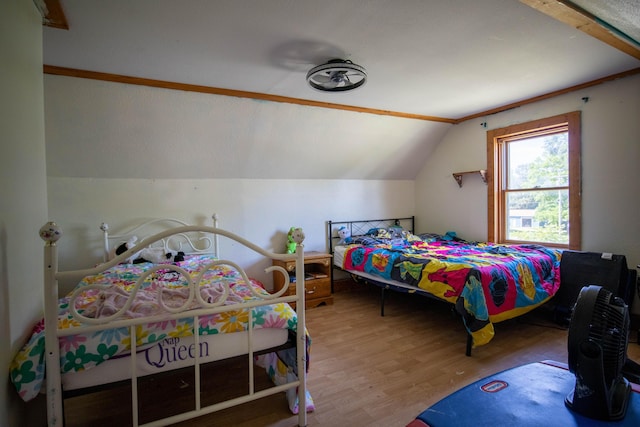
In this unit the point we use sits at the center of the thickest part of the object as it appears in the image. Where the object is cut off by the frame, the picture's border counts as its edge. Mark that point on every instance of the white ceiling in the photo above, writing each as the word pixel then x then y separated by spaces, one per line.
pixel 443 58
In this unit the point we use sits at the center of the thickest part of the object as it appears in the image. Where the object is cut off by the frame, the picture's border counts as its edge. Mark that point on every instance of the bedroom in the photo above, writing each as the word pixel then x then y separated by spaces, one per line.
pixel 270 194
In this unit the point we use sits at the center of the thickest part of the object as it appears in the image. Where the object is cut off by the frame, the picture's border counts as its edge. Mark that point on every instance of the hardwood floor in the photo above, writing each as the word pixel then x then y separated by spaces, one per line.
pixel 368 370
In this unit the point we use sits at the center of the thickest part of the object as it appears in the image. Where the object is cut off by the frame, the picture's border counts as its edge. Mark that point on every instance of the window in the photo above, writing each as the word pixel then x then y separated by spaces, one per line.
pixel 534 182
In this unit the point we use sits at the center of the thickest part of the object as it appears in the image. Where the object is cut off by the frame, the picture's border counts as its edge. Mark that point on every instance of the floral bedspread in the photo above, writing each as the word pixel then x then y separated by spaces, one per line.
pixel 488 283
pixel 86 350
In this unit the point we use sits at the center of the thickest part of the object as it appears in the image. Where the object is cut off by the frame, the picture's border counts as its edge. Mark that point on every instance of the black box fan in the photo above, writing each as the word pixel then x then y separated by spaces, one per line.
pixel 597 347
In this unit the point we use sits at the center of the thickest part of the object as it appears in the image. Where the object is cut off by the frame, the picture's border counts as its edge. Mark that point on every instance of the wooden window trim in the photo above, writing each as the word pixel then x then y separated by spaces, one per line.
pixel 495 169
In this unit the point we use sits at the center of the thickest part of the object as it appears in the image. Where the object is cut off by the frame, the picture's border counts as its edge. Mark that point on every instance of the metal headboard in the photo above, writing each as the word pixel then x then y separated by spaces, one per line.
pixel 179 242
pixel 360 227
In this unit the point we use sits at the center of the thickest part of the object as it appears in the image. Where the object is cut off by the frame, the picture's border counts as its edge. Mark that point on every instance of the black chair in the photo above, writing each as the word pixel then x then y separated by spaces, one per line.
pixel 579 269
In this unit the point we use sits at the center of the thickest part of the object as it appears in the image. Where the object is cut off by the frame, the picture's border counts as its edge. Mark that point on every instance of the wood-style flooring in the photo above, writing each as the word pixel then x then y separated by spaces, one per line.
pixel 368 370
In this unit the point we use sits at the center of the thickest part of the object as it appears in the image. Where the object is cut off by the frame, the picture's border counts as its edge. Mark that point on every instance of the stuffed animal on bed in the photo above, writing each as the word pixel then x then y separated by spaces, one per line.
pixel 154 255
pixel 345 235
pixel 294 236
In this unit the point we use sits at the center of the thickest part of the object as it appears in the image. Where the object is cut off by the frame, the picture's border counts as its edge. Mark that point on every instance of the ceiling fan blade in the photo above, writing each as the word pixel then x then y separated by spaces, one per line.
pixel 319 78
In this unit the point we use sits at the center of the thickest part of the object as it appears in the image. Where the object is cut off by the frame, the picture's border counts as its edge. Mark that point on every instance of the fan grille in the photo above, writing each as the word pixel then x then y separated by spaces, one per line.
pixel 337 75
pixel 608 330
pixel 597 347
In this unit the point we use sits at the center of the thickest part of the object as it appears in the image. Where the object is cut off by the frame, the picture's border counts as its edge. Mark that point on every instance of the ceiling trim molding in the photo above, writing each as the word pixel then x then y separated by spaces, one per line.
pixel 551 94
pixel 571 14
pixel 94 75
pixel 72 72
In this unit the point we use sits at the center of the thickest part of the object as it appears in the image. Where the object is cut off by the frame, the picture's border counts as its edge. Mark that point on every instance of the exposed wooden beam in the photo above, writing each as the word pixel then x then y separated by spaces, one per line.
pixel 571 14
pixel 54 15
pixel 72 72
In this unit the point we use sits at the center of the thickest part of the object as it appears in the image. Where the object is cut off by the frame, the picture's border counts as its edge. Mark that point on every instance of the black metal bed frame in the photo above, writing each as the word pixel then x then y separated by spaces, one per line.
pixel 361 227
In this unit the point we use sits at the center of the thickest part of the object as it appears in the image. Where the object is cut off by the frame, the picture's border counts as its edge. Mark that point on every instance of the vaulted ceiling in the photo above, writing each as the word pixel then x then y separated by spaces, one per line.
pixel 428 59
pixel 430 64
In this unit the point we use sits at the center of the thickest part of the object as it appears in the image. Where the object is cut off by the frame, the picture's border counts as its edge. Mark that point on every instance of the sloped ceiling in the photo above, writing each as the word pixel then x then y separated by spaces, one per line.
pixel 425 59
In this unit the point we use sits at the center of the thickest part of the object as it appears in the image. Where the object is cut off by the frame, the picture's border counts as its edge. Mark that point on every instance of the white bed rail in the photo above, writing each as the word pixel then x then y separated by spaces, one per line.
pixel 50 233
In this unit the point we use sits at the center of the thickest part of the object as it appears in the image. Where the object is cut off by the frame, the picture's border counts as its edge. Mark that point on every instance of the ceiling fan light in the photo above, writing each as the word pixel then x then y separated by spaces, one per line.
pixel 337 75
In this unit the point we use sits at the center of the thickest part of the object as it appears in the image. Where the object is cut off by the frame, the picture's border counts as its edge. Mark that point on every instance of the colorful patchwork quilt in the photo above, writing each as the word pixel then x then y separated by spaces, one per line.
pixel 86 350
pixel 488 283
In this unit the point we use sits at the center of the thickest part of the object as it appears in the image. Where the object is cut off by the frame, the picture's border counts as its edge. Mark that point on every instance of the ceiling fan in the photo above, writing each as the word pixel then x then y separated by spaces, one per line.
pixel 337 75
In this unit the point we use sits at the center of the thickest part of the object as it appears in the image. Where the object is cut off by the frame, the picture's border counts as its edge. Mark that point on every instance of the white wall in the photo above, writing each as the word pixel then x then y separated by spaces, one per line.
pixel 102 129
pixel 23 198
pixel 117 152
pixel 259 210
pixel 99 135
pixel 610 169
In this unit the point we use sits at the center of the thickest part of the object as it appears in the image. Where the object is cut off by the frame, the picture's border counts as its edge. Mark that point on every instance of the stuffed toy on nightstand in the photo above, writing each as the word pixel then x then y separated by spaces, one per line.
pixel 295 236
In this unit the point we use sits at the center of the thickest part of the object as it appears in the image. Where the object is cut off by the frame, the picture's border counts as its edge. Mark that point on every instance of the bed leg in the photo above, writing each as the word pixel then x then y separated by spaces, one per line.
pixel 469 344
pixel 382 302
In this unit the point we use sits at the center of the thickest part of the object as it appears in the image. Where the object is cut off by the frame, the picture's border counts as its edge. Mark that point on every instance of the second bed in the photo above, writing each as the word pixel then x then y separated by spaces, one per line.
pixel 487 283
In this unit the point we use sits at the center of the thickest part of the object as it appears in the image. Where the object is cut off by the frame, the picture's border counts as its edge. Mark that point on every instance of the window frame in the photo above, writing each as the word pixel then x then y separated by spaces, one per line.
pixel 496 175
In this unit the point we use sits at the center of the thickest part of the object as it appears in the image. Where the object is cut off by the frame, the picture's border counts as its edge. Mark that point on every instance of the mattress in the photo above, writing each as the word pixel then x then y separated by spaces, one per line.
pixel 338 261
pixel 174 353
pixel 160 345
pixel 338 256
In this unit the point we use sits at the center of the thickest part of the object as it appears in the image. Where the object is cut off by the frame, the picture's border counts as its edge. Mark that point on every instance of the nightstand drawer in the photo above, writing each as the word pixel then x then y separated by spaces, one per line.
pixel 317 288
pixel 310 262
pixel 290 266
pixel 313 288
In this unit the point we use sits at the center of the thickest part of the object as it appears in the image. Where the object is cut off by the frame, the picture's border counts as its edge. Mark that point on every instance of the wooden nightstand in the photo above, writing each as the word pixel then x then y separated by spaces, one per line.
pixel 317 285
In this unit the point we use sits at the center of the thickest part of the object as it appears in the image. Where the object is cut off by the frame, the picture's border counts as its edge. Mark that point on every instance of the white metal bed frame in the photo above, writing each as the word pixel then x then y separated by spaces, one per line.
pixel 174 242
pixel 50 233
